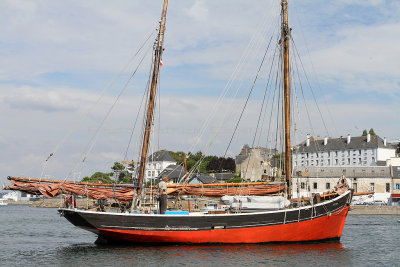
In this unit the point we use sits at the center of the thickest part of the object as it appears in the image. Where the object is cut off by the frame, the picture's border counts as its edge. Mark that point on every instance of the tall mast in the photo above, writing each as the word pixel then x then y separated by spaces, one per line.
pixel 158 50
pixel 285 39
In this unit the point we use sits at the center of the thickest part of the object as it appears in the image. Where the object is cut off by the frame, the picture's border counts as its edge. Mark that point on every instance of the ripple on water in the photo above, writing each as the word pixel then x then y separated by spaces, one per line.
pixel 38 236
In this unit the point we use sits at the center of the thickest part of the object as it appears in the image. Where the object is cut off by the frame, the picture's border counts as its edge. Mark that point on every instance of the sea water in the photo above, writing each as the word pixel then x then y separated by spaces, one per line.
pixel 40 237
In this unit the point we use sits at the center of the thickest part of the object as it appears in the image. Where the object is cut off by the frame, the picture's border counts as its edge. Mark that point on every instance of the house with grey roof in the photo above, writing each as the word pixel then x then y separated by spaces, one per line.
pixel 156 163
pixel 222 177
pixel 202 178
pixel 174 173
pixel 370 150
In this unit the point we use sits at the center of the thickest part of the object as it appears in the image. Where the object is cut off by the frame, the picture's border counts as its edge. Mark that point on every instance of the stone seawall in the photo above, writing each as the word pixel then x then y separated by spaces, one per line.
pixel 81 203
pixel 374 210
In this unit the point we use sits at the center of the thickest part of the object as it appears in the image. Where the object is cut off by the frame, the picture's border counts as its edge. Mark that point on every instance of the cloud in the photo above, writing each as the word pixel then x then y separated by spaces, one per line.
pixel 362 2
pixel 198 11
pixel 28 98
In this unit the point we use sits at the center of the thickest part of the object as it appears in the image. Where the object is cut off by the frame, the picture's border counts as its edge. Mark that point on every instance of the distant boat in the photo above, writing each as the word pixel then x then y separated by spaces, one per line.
pixel 2 203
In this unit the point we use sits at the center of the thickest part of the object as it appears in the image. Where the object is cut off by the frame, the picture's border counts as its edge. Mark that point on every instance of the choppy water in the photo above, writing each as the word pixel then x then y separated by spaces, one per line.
pixel 40 237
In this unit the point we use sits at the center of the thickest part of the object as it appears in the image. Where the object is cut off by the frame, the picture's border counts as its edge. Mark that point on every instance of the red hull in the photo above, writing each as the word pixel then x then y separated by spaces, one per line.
pixel 326 227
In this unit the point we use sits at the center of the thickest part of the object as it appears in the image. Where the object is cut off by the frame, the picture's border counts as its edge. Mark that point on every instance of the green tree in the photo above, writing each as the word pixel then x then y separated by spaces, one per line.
pixel 123 176
pixel 192 159
pixel 99 176
pixel 371 132
pixel 178 156
pixel 205 162
pixel 364 132
pixel 235 179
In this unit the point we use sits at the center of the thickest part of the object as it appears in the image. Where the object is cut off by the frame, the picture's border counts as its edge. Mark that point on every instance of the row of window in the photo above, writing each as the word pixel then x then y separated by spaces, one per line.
pixel 315 185
pixel 153 166
pixel 372 186
pixel 336 162
pixel 335 153
pixel 328 163
pixel 153 173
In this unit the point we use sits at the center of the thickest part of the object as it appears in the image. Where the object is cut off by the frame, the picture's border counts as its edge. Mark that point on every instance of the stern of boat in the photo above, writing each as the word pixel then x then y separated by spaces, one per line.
pixel 74 217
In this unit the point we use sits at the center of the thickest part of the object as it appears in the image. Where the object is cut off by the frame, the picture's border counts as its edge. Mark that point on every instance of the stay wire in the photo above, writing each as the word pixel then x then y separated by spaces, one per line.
pixel 247 100
pixel 309 84
pixel 80 121
pixel 91 142
pixel 145 92
pixel 227 87
pixel 262 105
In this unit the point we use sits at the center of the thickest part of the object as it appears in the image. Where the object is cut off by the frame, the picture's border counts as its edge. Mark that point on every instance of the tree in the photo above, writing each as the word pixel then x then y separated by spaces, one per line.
pixel 192 159
pixel 235 179
pixel 371 132
pixel 118 167
pixel 229 165
pixel 205 162
pixel 213 165
pixel 178 156
pixel 221 164
pixel 122 175
pixel 99 176
pixel 364 132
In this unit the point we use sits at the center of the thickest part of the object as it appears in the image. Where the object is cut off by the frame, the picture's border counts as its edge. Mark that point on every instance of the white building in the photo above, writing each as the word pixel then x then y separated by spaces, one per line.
pixel 19 196
pixel 156 163
pixel 370 150
pixel 308 180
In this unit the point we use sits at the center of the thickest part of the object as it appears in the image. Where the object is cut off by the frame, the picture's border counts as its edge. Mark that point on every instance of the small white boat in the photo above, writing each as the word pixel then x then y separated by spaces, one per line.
pixel 2 202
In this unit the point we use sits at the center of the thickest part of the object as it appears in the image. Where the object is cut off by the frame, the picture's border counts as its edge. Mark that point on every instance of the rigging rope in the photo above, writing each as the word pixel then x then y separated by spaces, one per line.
pixel 238 68
pixel 80 121
pixel 145 92
pixel 262 107
pixel 91 142
pixel 247 100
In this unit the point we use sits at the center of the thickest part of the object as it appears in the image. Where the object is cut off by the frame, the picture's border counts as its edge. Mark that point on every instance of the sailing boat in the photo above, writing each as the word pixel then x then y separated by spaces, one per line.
pixel 319 220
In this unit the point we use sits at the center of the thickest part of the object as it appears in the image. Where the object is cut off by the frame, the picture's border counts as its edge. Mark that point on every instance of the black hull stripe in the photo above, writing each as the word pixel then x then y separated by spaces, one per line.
pixel 147 222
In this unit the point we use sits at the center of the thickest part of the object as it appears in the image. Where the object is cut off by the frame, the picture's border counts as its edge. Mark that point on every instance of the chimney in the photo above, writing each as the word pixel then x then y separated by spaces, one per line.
pixel 325 141
pixel 308 140
pixel 348 139
pixel 384 141
pixel 368 137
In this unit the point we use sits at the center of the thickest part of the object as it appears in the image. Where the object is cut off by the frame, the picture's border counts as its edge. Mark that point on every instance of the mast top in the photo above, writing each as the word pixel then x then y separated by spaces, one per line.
pixel 158 50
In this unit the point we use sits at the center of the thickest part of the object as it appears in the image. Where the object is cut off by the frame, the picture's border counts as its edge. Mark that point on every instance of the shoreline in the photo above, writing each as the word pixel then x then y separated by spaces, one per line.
pixel 374 210
pixel 83 203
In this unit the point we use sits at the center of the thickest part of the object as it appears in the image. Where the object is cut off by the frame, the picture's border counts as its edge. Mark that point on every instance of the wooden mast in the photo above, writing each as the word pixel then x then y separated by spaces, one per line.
pixel 158 50
pixel 285 39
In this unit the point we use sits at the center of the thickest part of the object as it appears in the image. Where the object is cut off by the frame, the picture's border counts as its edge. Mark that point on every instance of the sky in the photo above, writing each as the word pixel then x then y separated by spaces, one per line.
pixel 64 63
